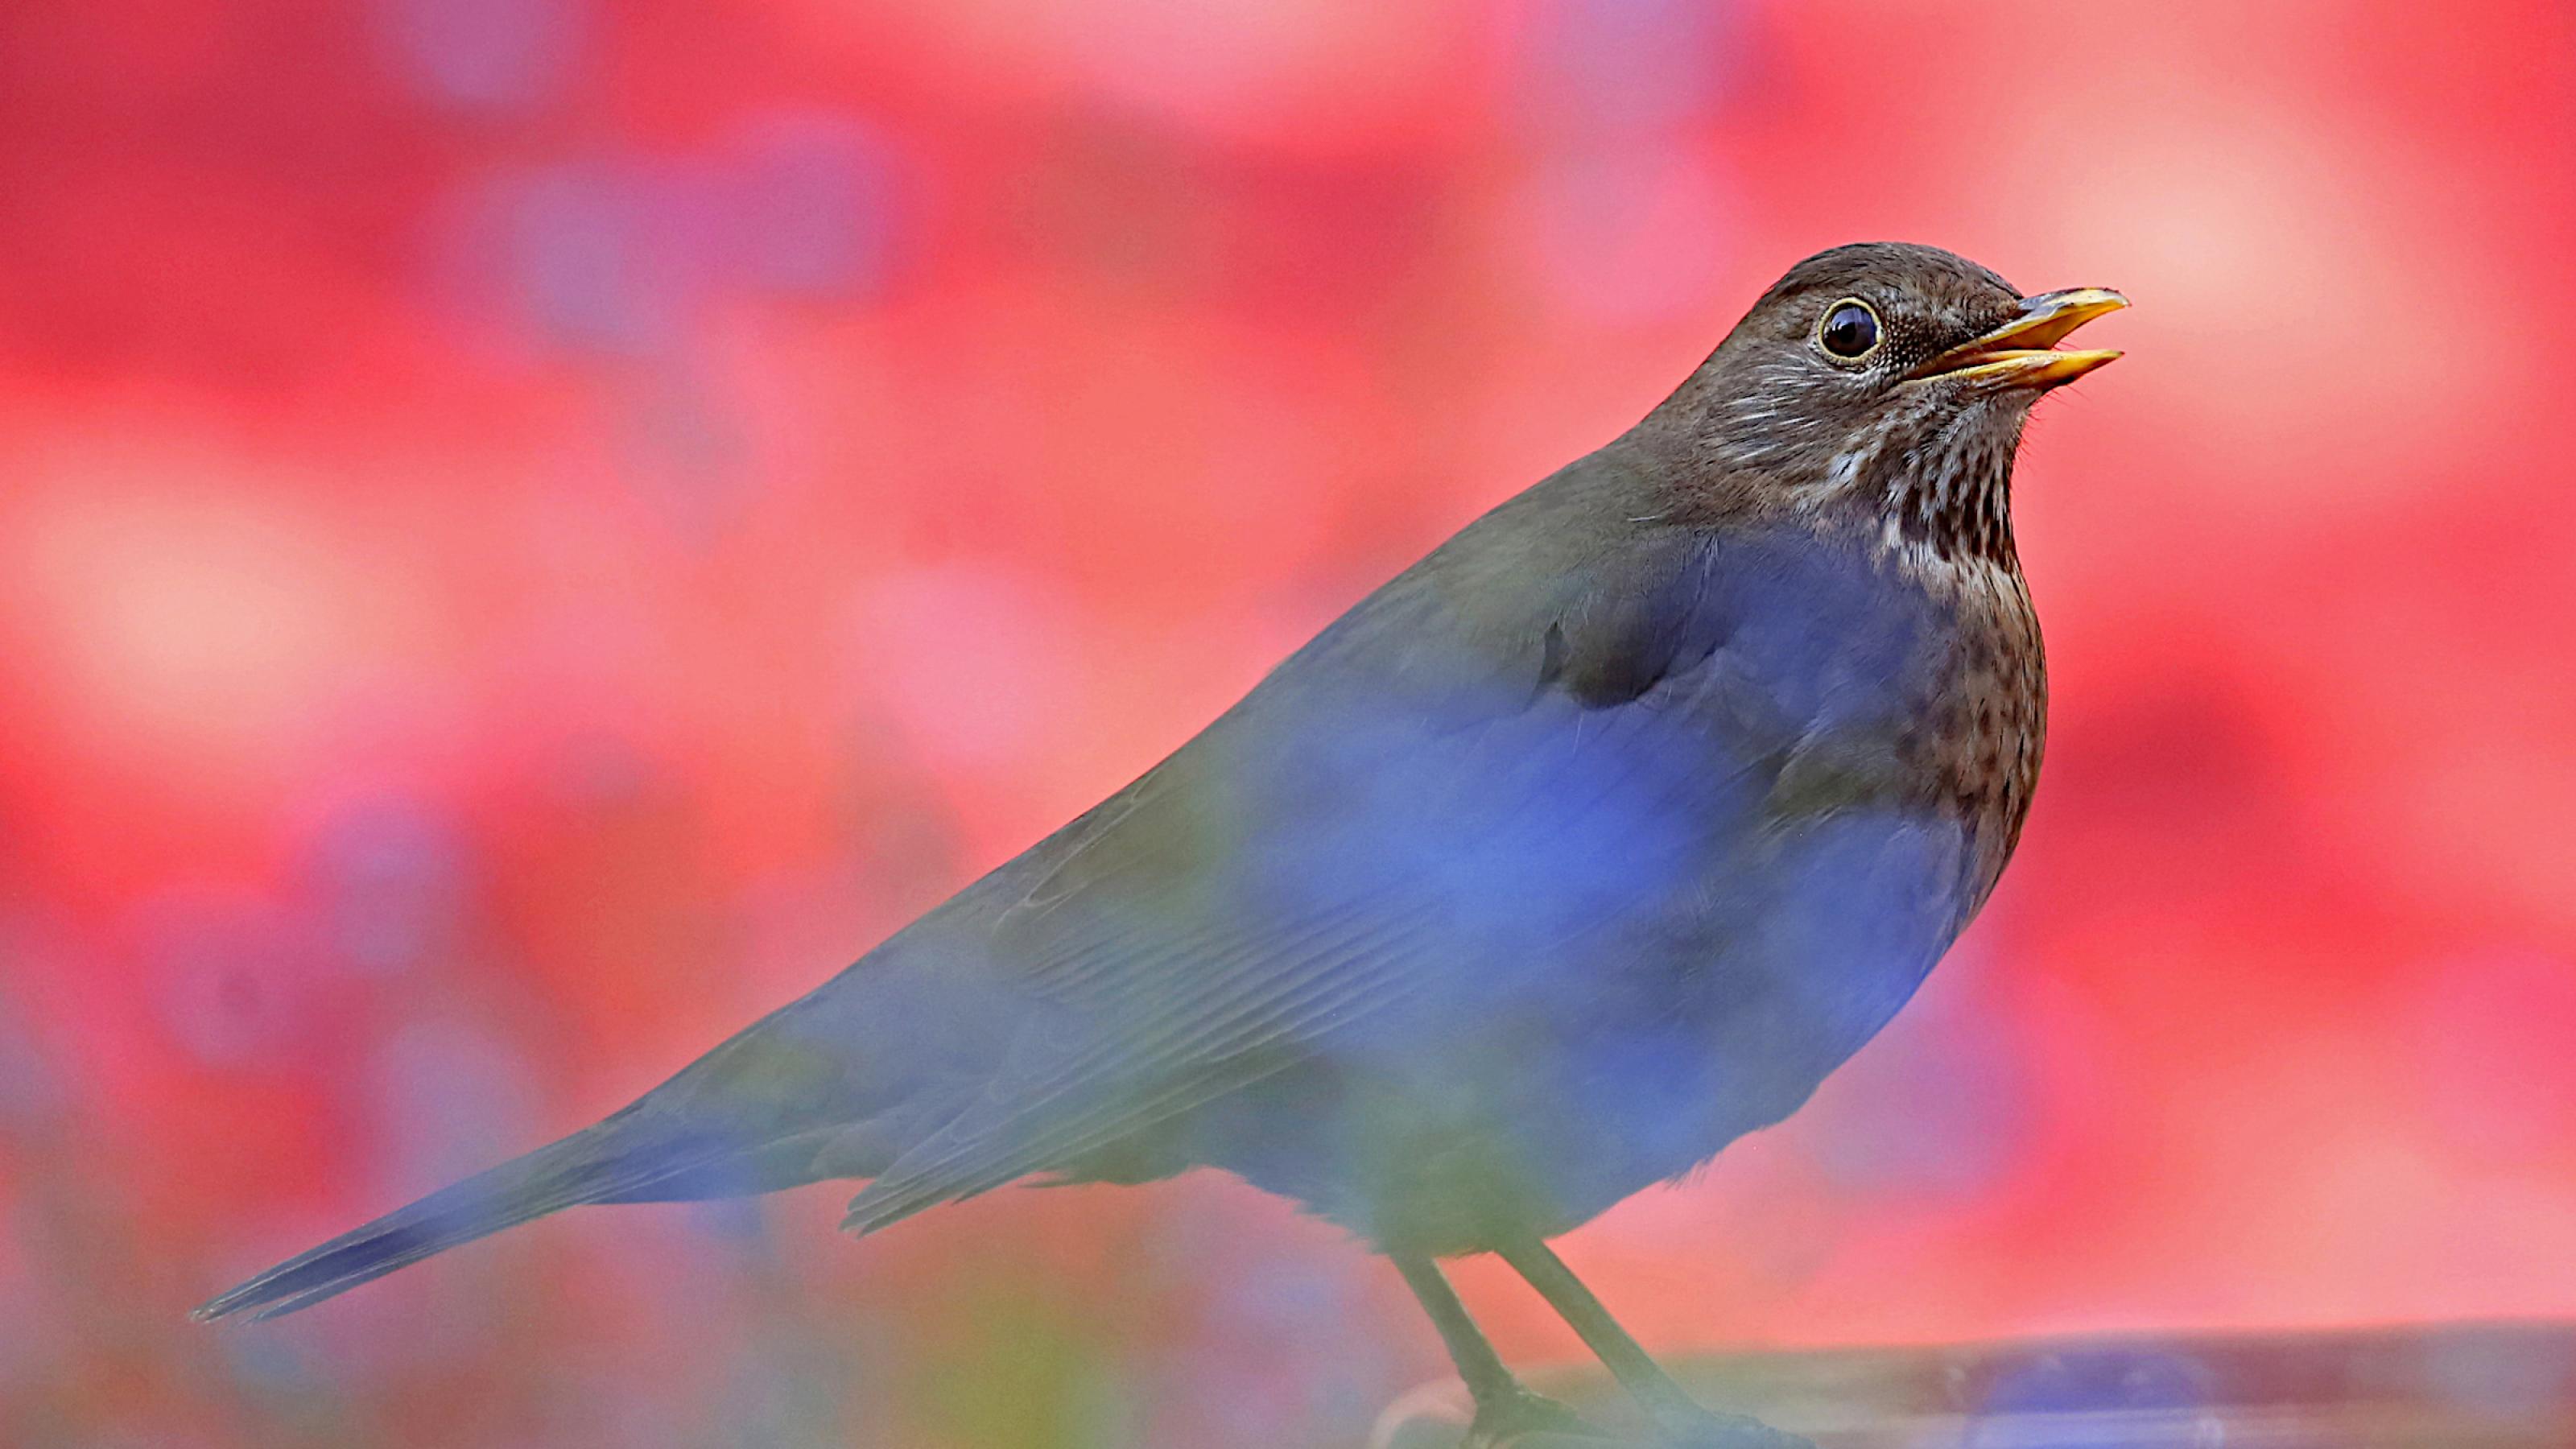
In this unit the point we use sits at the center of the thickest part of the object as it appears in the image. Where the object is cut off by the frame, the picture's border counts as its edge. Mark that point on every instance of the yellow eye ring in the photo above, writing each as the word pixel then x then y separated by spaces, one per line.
pixel 1849 330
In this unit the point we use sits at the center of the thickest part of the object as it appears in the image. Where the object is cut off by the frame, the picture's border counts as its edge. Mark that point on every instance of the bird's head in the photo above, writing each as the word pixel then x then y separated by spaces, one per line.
pixel 1893 378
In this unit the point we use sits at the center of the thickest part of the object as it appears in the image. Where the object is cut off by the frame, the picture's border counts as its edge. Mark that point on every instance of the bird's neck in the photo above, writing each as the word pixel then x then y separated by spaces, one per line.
pixel 1941 495
pixel 1952 509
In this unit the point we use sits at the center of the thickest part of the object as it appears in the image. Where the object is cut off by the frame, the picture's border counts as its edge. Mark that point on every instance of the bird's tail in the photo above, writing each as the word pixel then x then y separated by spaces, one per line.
pixel 597 1164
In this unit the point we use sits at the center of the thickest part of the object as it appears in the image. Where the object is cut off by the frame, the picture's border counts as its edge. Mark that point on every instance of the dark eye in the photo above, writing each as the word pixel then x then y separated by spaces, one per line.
pixel 1850 330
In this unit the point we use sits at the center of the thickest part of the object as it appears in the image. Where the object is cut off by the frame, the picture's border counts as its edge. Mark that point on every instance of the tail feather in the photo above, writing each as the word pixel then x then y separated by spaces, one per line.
pixel 596 1165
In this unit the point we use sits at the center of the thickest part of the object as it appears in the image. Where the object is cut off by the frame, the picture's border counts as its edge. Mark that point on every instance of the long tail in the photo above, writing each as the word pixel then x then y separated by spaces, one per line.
pixel 598 1164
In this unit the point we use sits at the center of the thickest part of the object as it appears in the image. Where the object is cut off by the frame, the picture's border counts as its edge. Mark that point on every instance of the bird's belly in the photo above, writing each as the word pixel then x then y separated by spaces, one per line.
pixel 1632 1058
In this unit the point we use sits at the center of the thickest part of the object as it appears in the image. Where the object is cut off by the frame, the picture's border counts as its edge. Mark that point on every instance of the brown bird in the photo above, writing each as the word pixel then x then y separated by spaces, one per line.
pixel 1589 843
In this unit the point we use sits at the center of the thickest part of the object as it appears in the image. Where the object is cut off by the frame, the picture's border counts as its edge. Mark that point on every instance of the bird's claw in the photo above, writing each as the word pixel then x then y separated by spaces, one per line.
pixel 1523 1420
pixel 1706 1429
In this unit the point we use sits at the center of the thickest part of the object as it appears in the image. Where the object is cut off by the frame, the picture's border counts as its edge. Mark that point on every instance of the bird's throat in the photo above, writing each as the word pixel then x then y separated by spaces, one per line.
pixel 1946 497
pixel 1958 518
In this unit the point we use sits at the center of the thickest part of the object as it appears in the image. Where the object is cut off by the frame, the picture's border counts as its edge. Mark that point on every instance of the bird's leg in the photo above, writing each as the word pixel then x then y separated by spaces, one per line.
pixel 1645 1380
pixel 1505 1410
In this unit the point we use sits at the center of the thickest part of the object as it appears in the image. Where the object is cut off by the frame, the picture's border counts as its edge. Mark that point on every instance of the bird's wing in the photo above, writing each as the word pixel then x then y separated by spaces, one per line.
pixel 1408 821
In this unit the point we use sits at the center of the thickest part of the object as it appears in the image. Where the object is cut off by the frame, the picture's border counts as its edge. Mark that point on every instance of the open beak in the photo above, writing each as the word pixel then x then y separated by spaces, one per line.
pixel 2022 352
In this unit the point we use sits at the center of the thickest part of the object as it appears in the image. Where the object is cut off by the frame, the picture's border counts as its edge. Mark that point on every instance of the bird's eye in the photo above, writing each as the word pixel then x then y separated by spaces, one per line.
pixel 1850 330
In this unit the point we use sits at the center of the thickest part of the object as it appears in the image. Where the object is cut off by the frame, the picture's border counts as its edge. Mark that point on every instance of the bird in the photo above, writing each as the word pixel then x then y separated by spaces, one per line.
pixel 1589 843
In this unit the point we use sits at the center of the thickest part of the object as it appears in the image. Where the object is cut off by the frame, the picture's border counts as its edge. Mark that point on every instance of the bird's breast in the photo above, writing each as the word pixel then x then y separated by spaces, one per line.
pixel 1987 721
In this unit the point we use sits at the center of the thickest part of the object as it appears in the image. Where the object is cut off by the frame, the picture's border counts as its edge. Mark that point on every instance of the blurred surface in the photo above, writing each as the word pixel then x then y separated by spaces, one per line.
pixel 2467 1386
pixel 531 531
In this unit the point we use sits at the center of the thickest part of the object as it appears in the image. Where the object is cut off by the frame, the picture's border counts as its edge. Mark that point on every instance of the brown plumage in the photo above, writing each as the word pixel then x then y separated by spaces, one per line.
pixel 1591 842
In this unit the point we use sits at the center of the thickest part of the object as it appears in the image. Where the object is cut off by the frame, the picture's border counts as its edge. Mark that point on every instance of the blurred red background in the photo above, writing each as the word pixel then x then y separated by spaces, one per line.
pixel 534 530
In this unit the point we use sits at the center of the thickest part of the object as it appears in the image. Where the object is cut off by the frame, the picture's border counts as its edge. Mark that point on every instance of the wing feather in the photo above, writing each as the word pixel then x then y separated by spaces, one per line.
pixel 1168 979
pixel 1409 821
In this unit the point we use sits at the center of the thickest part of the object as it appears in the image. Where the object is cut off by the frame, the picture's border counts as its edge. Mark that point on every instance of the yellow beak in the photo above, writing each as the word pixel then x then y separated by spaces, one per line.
pixel 2022 352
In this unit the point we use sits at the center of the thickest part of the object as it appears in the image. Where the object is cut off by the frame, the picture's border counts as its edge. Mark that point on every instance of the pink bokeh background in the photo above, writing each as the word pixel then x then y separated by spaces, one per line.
pixel 532 531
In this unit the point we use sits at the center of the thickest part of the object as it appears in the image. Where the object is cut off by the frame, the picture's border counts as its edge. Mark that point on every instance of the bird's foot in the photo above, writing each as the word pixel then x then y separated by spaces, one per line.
pixel 1697 1428
pixel 1521 1418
